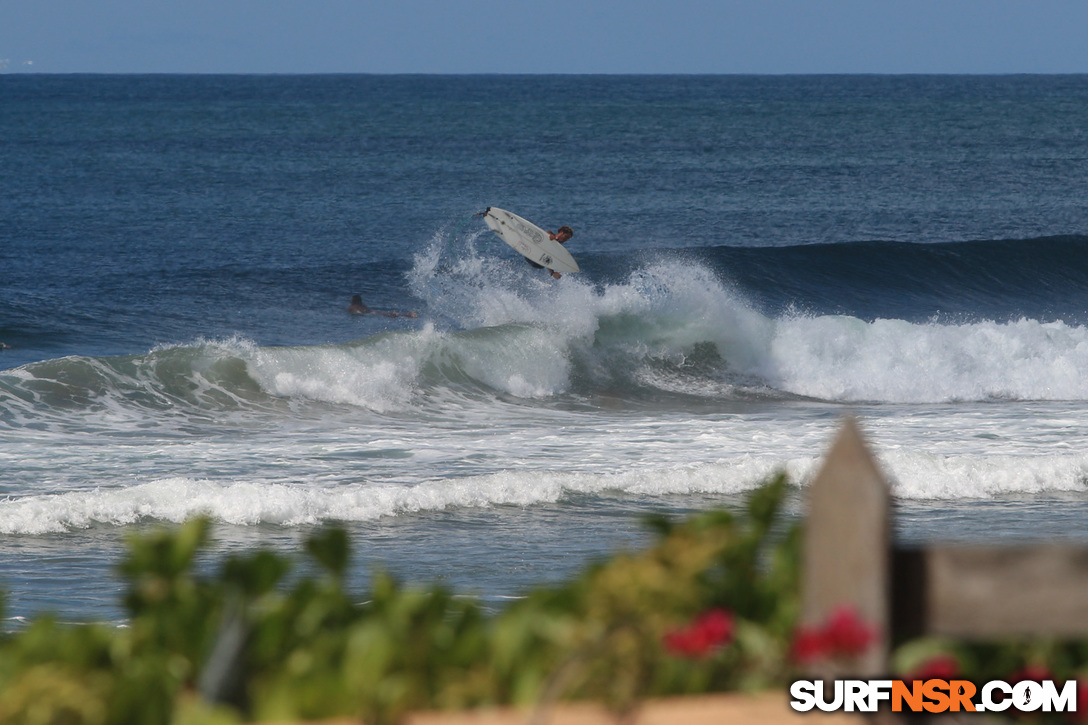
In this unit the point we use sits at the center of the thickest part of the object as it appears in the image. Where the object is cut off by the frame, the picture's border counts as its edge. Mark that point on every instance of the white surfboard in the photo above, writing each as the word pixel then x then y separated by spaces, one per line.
pixel 530 240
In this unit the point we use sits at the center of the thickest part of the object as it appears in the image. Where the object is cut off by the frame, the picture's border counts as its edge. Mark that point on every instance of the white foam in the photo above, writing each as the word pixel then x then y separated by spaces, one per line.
pixel 251 503
pixel 381 377
pixel 846 359
pixel 916 475
pixel 525 334
pixel 925 475
pixel 666 307
pixel 832 358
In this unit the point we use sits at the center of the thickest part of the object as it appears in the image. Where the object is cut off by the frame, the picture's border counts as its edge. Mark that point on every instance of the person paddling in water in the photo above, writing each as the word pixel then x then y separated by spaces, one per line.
pixel 562 236
pixel 358 308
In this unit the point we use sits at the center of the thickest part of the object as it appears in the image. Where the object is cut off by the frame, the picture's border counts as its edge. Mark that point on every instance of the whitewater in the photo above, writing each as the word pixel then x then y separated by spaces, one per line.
pixel 760 258
pixel 515 390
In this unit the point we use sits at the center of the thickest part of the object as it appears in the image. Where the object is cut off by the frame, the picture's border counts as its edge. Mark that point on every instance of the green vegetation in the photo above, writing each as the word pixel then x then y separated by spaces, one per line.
pixel 711 605
pixel 244 645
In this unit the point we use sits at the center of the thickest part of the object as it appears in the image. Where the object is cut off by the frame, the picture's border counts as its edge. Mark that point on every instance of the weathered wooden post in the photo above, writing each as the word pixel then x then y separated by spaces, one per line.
pixel 847 554
pixel 987 593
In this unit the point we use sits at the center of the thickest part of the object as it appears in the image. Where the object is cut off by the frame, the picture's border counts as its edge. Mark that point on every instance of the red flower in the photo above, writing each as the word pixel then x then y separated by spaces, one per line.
pixel 710 631
pixel 842 634
pixel 938 667
pixel 1080 715
pixel 808 645
pixel 1034 673
pixel 847 634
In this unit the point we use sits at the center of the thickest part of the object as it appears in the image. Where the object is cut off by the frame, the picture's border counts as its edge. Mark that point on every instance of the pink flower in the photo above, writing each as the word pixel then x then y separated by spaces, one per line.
pixel 707 633
pixel 843 634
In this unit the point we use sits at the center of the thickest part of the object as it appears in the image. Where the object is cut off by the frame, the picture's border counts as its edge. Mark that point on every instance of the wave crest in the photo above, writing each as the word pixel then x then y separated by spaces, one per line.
pixel 670 330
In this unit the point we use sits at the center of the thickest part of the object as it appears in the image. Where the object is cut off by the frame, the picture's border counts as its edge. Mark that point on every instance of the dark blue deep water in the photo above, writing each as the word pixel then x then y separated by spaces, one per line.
pixel 138 210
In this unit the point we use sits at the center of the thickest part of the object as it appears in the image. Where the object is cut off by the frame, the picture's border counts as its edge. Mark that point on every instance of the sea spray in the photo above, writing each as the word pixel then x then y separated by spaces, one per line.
pixel 669 328
pixel 845 359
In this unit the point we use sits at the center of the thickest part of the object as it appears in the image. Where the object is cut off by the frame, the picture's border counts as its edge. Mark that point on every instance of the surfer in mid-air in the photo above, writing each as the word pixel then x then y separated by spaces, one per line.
pixel 562 236
pixel 544 250
pixel 358 308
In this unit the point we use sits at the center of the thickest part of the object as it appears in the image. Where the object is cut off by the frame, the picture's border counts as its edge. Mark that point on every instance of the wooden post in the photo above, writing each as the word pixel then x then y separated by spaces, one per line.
pixel 998 592
pixel 847 548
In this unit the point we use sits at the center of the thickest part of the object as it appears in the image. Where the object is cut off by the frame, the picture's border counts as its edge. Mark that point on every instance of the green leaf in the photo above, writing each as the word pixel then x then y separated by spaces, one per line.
pixel 330 548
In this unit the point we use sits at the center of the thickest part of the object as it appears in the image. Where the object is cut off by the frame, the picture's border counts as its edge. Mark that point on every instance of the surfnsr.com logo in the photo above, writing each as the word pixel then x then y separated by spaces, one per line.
pixel 933 696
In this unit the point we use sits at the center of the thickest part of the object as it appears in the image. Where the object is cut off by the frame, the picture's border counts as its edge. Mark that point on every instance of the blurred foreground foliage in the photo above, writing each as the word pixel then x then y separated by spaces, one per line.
pixel 712 605
pixel 255 642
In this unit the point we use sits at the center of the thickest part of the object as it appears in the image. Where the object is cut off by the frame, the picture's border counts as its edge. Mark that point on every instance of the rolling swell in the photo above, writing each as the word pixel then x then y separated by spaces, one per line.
pixel 1044 278
pixel 873 322
pixel 169 388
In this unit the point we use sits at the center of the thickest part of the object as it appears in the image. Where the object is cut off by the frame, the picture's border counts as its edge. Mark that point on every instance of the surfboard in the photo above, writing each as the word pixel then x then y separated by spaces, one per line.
pixel 530 240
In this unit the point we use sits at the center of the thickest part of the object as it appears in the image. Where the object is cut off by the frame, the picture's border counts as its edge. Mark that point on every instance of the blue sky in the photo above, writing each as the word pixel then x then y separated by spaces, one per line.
pixel 544 36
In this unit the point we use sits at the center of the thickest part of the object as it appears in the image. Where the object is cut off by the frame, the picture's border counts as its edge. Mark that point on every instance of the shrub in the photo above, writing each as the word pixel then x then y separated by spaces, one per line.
pixel 710 605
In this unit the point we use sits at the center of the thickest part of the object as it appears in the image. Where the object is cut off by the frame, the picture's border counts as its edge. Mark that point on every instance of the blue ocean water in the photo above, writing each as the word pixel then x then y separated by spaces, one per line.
pixel 760 256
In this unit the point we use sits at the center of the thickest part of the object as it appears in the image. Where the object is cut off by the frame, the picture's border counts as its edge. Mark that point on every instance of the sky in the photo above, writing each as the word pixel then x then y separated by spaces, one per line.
pixel 544 36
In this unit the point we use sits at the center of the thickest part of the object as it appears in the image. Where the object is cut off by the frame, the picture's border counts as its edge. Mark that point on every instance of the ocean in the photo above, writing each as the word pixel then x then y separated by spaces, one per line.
pixel 761 256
